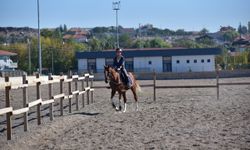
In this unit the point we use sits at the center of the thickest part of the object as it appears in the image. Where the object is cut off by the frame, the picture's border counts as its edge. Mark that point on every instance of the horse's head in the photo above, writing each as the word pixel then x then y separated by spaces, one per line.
pixel 108 73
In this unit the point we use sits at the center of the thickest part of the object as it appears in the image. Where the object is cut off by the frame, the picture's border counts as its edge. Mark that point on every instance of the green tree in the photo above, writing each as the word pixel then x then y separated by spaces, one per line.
pixel 125 41
pixel 186 43
pixel 138 43
pixel 230 35
pixel 204 31
pixel 95 44
pixel 248 26
pixel 159 43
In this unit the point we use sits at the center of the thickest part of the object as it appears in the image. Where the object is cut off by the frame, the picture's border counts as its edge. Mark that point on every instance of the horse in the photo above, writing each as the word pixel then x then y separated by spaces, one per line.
pixel 116 85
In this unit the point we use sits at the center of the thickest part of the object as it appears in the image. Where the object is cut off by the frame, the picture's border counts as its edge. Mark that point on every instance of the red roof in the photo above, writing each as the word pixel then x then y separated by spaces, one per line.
pixel 6 53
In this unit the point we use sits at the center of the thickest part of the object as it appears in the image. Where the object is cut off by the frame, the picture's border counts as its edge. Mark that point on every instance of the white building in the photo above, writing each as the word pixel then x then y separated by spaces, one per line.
pixel 5 62
pixel 150 59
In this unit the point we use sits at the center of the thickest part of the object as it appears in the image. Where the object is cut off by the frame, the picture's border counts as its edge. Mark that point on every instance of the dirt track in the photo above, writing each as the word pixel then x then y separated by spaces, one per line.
pixel 179 119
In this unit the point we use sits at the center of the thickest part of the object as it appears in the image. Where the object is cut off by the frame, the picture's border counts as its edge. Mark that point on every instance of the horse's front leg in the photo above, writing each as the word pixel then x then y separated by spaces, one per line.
pixel 112 100
pixel 119 108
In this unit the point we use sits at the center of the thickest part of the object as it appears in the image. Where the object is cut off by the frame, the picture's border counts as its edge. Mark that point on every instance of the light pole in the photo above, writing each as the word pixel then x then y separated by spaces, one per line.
pixel 52 61
pixel 39 40
pixel 116 7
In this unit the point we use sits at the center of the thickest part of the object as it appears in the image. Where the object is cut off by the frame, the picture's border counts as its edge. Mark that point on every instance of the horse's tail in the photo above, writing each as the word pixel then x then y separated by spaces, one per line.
pixel 138 87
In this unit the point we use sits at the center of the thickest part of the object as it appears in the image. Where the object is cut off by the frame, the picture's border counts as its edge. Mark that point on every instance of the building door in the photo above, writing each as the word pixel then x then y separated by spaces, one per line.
pixel 167 64
pixel 92 65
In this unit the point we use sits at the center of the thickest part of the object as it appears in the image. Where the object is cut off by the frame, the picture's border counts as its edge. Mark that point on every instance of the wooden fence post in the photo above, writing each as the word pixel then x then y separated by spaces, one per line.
pixel 61 92
pixel 25 102
pixel 69 91
pixel 7 104
pixel 154 86
pixel 87 84
pixel 83 93
pixel 92 92
pixel 50 85
pixel 38 96
pixel 217 82
pixel 76 88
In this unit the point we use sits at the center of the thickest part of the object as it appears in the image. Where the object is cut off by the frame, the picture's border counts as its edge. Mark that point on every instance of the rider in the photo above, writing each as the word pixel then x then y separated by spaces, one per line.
pixel 119 64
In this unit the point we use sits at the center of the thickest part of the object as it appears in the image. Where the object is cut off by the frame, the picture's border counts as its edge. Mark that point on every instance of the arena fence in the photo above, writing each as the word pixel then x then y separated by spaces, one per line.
pixel 70 79
pixel 216 86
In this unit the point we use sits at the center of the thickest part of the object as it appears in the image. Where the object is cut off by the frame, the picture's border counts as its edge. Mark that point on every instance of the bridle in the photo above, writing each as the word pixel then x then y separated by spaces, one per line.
pixel 109 76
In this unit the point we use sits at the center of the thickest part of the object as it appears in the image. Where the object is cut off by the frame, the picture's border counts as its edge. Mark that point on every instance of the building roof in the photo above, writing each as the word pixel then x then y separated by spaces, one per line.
pixel 6 53
pixel 149 52
pixel 241 41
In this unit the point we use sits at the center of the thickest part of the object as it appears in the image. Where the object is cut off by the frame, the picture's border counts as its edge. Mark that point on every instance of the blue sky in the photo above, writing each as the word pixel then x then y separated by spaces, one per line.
pixel 172 14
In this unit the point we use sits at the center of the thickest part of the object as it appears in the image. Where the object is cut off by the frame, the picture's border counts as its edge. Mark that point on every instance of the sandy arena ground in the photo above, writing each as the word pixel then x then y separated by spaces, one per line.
pixel 179 119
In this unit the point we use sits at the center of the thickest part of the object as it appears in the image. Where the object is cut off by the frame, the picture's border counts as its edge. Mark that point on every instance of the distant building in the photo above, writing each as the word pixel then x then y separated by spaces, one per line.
pixel 152 59
pixel 77 34
pixel 241 43
pixel 5 62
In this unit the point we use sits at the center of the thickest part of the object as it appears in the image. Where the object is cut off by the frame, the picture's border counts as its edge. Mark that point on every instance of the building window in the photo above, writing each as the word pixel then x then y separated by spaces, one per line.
pixel 150 62
pixel 188 61
pixel 202 61
pixel 208 60
pixel 195 61
pixel 177 61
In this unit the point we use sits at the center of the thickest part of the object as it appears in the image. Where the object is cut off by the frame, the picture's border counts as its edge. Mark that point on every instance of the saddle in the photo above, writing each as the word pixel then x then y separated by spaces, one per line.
pixel 126 80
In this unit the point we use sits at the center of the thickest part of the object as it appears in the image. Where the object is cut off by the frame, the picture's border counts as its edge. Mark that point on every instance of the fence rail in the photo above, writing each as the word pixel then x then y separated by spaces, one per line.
pixel 10 112
pixel 155 86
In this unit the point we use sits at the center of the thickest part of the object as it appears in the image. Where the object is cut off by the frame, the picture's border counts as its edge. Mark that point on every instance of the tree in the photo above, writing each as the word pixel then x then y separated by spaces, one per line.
pixel 138 43
pixel 248 26
pixel 186 43
pixel 159 43
pixel 95 44
pixel 65 28
pixel 125 41
pixel 180 32
pixel 242 29
pixel 204 31
pixel 230 35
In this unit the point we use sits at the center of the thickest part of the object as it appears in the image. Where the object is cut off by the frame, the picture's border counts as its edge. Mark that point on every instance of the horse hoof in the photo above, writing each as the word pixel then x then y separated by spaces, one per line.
pixel 117 109
pixel 113 105
pixel 120 108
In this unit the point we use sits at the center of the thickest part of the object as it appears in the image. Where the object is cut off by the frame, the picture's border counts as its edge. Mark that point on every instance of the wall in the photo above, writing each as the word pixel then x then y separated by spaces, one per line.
pixel 82 65
pixel 100 62
pixel 183 66
pixel 141 64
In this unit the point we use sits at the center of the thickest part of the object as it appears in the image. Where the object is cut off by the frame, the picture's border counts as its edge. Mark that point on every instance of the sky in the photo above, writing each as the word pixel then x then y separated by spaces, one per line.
pixel 190 15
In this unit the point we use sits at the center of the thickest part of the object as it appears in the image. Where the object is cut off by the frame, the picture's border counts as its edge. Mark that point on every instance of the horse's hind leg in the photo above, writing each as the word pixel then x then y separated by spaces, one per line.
pixel 125 101
pixel 119 108
pixel 135 97
pixel 112 100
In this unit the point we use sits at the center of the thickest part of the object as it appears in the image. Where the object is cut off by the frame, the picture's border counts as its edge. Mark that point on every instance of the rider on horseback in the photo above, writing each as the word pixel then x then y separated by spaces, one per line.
pixel 119 65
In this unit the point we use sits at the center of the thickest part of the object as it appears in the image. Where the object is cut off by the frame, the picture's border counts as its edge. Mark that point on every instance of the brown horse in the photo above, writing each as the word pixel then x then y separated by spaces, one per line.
pixel 116 85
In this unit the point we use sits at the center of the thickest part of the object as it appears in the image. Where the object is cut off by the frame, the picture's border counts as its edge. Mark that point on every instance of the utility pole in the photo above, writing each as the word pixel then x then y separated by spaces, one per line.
pixel 52 61
pixel 140 38
pixel 116 7
pixel 39 40
pixel 28 41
